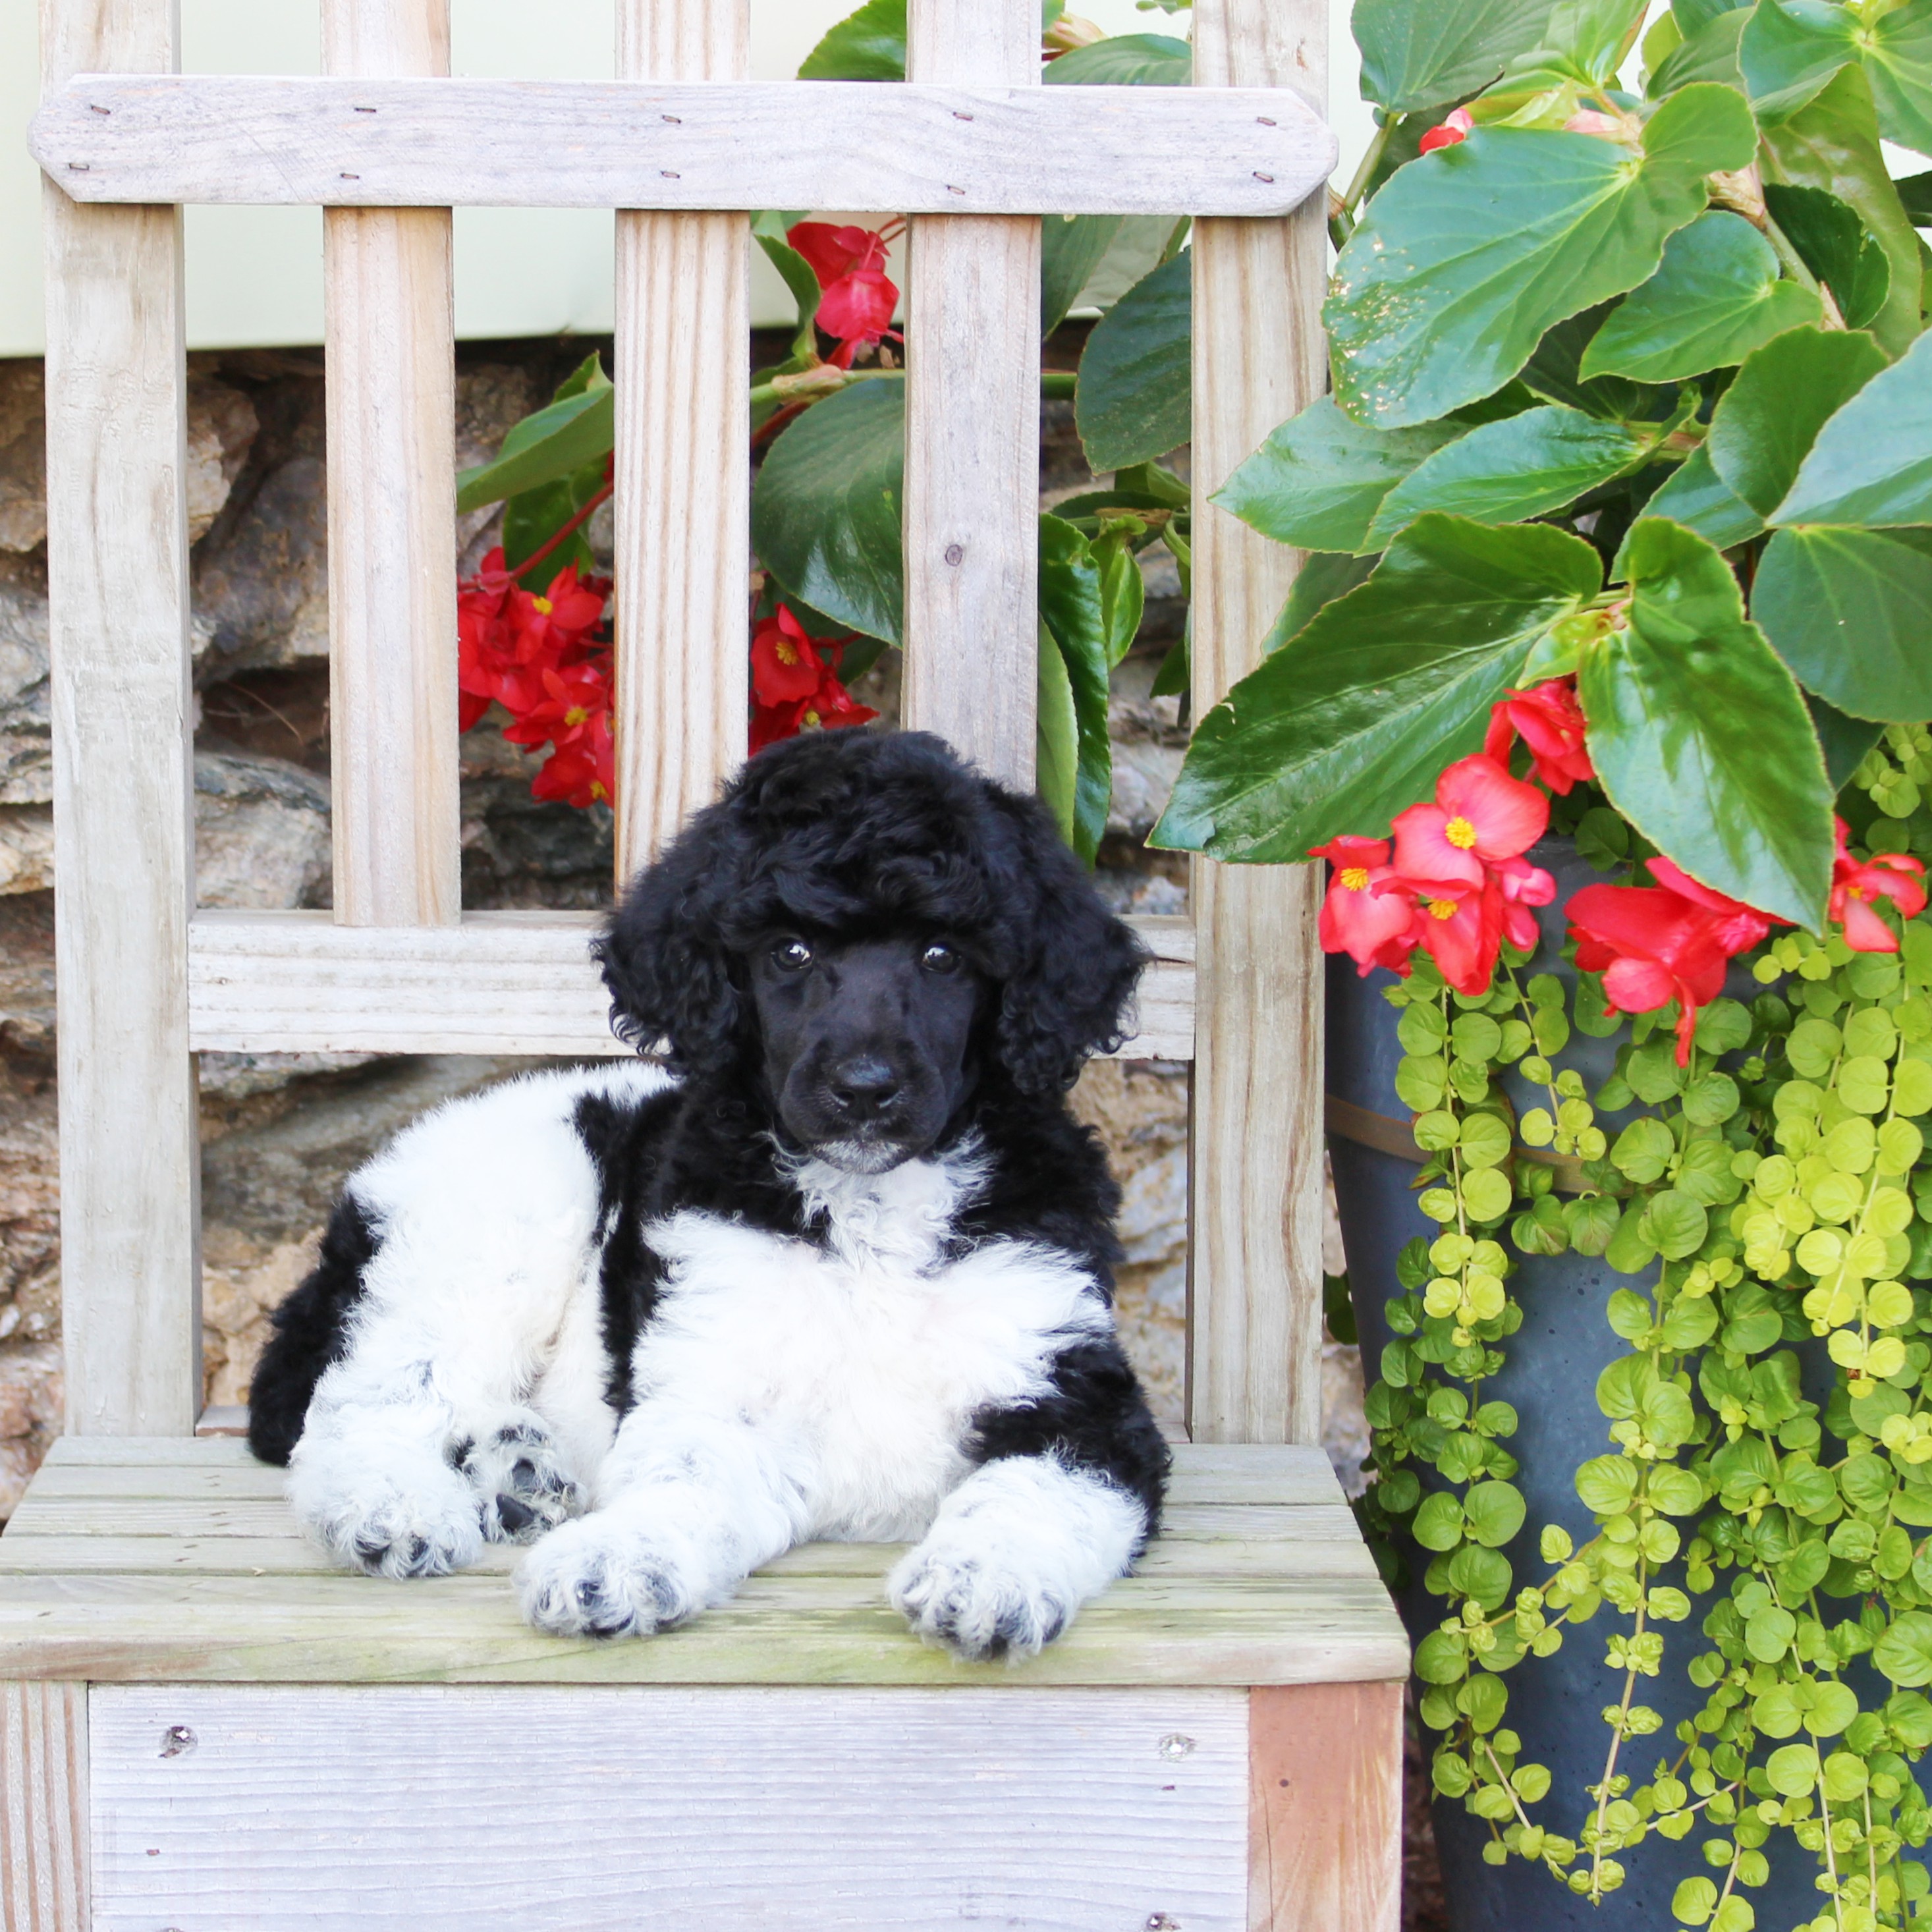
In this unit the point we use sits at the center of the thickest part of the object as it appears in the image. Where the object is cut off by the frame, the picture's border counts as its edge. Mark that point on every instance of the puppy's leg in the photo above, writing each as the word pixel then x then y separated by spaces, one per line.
pixel 688 1506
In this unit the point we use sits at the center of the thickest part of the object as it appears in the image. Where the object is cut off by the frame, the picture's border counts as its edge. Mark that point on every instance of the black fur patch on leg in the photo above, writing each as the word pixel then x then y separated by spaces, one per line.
pixel 310 1333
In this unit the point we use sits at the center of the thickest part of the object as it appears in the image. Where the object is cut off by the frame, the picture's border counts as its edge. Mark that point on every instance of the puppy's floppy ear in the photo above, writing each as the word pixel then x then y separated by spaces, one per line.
pixel 1074 964
pixel 664 956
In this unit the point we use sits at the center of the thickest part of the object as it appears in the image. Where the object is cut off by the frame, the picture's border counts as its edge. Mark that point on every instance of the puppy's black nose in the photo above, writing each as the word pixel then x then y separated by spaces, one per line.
pixel 863 1085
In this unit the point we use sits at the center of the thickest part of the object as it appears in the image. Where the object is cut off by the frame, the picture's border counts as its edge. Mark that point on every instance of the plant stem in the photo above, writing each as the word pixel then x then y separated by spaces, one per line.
pixel 1617 1730
pixel 1055 385
pixel 1358 185
pixel 569 529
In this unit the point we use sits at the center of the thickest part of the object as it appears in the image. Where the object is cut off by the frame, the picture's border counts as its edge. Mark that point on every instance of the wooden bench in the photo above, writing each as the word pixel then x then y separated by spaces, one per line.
pixel 201 1726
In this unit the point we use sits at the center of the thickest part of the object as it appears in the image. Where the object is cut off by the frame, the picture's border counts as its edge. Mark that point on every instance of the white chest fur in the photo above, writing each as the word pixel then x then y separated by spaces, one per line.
pixel 863 1360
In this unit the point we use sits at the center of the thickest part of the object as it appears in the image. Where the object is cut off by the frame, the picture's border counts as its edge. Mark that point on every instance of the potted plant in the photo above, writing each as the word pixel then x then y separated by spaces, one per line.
pixel 1602 693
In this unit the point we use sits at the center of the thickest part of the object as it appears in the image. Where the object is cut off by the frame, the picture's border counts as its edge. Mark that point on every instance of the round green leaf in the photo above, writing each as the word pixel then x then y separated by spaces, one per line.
pixel 1485 1142
pixel 1438 1522
pixel 1441 1658
pixel 1677 1224
pixel 1767 1634
pixel 1694 1900
pixel 1487 1194
pixel 1792 1768
pixel 1834 1705
pixel 1605 1484
pixel 1494 1512
pixel 1904 1651
pixel 1643 1149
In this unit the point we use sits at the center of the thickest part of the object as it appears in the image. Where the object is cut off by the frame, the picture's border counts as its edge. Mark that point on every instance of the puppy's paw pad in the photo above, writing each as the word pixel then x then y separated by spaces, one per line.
pixel 976 1607
pixel 589 1578
pixel 518 1473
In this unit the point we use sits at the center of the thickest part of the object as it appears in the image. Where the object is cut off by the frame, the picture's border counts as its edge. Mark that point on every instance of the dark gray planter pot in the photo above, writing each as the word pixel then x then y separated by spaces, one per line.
pixel 1553 1362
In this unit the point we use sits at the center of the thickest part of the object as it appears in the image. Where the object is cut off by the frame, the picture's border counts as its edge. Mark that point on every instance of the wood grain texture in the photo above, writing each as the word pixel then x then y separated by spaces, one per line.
pixel 972 468
pixel 1325 1820
pixel 1255 1364
pixel 390 329
pixel 120 704
pixel 875 1810
pixel 43 1784
pixel 500 982
pixel 971 147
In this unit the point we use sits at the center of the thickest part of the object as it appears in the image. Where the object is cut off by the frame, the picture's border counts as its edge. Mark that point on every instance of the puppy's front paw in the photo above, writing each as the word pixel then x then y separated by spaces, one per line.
pixel 975 1604
pixel 595 1577
pixel 412 1518
pixel 517 1472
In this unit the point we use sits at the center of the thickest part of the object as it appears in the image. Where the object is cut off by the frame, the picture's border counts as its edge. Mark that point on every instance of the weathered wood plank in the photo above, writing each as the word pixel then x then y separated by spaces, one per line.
pixel 1325 1820
pixel 43 1786
pixel 498 982
pixel 972 467
pixel 390 330
pixel 683 472
pixel 1089 1811
pixel 968 147
pixel 1255 1254
pixel 120 704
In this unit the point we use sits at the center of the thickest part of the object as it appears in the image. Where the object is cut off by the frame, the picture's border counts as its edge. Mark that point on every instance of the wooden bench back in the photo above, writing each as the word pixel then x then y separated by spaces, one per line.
pixel 144 982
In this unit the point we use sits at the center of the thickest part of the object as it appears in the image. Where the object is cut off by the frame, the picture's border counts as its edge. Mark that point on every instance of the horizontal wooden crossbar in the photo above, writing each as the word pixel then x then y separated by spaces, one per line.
pixel 500 983
pixel 437 143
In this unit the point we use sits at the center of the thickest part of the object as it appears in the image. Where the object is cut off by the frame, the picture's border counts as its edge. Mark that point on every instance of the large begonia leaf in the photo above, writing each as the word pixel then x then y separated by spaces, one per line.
pixel 1319 479
pixel 1136 398
pixel 1699 734
pixel 1056 759
pixel 1871 464
pixel 1418 55
pixel 1836 246
pixel 1464 259
pixel 1834 144
pixel 1071 613
pixel 1071 247
pixel 1351 721
pixel 1784 395
pixel 1915 194
pixel 1898 65
pixel 1850 611
pixel 1692 16
pixel 1709 54
pixel 1553 373
pixel 1715 297
pixel 868 45
pixel 825 507
pixel 1790 49
pixel 1700 499
pixel 1125 60
pixel 578 428
pixel 1505 472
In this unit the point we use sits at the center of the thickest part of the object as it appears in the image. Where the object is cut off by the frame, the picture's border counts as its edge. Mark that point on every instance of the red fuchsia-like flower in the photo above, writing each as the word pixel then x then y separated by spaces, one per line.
pixel 1370 924
pixel 1447 132
pixel 573 715
pixel 506 635
pixel 795 685
pixel 858 299
pixel 1550 722
pixel 1858 885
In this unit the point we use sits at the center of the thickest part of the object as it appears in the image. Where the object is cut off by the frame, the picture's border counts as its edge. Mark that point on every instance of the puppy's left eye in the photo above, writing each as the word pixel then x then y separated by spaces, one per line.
pixel 791 955
pixel 938 958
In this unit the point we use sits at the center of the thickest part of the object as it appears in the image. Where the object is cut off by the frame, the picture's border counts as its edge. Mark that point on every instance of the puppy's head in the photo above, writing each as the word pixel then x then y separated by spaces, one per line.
pixel 863 931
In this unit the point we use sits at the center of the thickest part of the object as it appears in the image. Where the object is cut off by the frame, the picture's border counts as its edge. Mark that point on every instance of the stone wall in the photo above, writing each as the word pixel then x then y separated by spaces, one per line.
pixel 279 1133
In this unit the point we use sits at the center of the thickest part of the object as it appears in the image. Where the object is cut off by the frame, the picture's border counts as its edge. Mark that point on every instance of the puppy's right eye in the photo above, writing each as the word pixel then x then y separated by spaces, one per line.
pixel 791 955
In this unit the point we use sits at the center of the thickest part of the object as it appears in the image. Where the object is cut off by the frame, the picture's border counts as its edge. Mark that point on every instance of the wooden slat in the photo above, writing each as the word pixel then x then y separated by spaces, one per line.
pixel 43 1788
pixel 599 144
pixel 117 563
pixel 500 983
pixel 683 470
pixel 392 402
pixel 327 1807
pixel 1324 1819
pixel 972 467
pixel 1255 1365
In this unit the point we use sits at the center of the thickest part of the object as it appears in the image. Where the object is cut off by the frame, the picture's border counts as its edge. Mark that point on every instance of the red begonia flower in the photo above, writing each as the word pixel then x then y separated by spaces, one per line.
pixel 785 665
pixel 1858 884
pixel 833 252
pixel 1550 722
pixel 1447 133
pixel 1461 931
pixel 858 300
pixel 1370 925
pixel 1652 946
pixel 1524 886
pixel 1739 927
pixel 1480 817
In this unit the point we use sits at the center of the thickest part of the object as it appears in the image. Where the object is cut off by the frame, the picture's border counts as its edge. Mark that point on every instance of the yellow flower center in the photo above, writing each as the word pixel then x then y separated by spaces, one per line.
pixel 597 791
pixel 1460 833
pixel 1355 877
pixel 810 722
pixel 575 715
pixel 542 606
pixel 785 650
pixel 1441 908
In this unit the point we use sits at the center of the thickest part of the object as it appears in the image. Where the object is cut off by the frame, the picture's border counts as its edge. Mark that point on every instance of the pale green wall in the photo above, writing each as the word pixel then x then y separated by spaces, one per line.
pixel 254 274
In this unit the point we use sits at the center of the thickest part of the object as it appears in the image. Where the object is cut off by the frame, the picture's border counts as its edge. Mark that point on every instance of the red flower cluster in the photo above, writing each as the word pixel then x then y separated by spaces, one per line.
pixel 795 684
pixel 1856 884
pixel 1548 721
pixel 857 301
pixel 537 657
pixel 1447 132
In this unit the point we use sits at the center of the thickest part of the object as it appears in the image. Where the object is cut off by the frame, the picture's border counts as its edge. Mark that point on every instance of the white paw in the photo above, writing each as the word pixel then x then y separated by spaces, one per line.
pixel 517 1472
pixel 597 1577
pixel 976 1604
pixel 414 1518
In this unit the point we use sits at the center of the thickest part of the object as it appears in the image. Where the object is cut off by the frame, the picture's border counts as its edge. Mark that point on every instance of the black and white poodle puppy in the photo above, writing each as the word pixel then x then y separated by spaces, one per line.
pixel 840 1267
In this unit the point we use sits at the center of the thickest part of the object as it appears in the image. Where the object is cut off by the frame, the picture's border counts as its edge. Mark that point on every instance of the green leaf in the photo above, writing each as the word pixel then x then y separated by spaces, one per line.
pixel 1871 464
pixel 1494 1512
pixel 1915 192
pixel 1904 1651
pixel 1464 260
pixel 800 279
pixel 1793 1768
pixel 1071 247
pixel 1898 66
pixel 1850 611
pixel 1135 401
pixel 1437 1524
pixel 1507 471
pixel 1790 49
pixel 1700 737
pixel 1416 55
pixel 1767 1634
pixel 825 507
pixel 1124 60
pixel 554 444
pixel 1318 480
pixel 1834 144
pixel 1697 497
pixel 1694 1900
pixel 1056 737
pixel 1709 54
pixel 1716 297
pixel 1323 578
pixel 868 45
pixel 1844 741
pixel 1784 393
pixel 1836 246
pixel 1552 373
pixel 1353 720
pixel 1072 609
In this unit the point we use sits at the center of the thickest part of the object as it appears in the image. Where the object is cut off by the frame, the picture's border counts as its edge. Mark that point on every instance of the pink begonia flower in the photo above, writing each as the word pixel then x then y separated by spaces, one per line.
pixel 1480 817
pixel 1858 884
pixel 1357 919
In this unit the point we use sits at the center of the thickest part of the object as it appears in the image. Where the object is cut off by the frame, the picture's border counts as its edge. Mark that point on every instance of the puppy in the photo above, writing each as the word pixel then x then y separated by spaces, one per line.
pixel 839 1266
